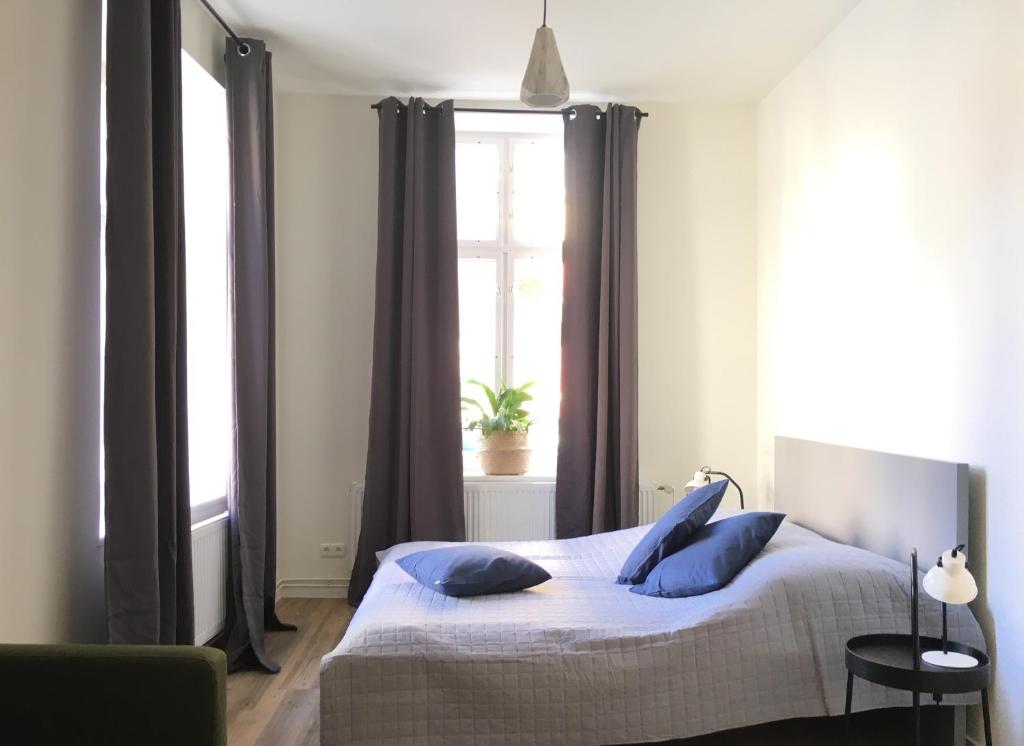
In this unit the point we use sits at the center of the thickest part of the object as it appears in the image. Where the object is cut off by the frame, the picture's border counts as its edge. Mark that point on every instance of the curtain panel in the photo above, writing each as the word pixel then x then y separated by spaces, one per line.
pixel 252 487
pixel 597 484
pixel 147 549
pixel 413 488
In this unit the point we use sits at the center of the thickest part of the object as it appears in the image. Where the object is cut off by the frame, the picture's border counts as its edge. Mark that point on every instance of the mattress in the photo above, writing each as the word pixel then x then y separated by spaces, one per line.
pixel 582 661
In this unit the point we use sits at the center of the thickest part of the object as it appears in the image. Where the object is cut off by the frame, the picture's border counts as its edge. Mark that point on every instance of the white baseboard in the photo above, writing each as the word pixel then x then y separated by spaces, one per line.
pixel 312 588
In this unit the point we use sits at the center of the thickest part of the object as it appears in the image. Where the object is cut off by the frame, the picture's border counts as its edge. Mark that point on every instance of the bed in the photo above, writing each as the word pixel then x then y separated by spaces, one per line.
pixel 580 660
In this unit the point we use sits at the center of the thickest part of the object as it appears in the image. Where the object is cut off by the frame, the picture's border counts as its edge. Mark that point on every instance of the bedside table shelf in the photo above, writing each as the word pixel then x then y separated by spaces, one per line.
pixel 889 660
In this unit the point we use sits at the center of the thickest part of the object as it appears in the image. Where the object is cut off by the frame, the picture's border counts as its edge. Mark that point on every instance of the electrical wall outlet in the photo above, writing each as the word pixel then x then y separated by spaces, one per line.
pixel 332 551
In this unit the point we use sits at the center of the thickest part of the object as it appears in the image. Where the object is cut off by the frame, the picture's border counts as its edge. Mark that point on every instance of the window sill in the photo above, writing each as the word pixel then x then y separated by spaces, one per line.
pixel 202 514
pixel 204 511
pixel 479 477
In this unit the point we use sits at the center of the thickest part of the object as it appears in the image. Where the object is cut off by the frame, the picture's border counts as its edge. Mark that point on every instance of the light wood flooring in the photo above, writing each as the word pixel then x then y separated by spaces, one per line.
pixel 284 709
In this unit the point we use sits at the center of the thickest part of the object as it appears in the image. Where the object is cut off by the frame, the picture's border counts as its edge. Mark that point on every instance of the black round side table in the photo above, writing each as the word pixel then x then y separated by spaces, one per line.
pixel 893 660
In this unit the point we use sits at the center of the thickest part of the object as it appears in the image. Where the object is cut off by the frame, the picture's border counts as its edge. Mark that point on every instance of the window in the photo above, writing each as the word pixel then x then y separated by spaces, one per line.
pixel 511 221
pixel 205 143
pixel 103 243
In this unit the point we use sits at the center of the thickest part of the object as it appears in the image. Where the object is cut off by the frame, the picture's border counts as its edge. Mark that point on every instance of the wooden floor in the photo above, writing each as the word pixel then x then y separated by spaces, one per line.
pixel 284 709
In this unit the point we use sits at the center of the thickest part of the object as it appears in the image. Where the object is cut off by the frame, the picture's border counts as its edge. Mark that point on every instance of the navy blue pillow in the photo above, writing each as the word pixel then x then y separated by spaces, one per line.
pixel 472 570
pixel 714 556
pixel 672 531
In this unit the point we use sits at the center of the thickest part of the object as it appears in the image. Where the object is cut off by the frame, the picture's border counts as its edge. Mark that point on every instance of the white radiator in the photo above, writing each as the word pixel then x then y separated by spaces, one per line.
pixel 514 509
pixel 509 510
pixel 655 499
pixel 209 576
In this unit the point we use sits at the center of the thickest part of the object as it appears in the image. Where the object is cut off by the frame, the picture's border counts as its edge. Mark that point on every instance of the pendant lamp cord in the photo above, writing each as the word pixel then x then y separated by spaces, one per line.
pixel 545 21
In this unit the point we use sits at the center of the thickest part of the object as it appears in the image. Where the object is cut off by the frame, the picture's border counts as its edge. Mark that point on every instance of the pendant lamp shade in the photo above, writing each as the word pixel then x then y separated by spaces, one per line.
pixel 544 84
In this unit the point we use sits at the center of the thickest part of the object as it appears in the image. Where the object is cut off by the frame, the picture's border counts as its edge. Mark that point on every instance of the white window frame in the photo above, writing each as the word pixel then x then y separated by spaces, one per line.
pixel 504 250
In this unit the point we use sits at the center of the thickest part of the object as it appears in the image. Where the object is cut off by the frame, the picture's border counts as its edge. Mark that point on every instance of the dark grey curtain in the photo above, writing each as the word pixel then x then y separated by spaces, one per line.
pixel 147 551
pixel 597 475
pixel 252 491
pixel 413 487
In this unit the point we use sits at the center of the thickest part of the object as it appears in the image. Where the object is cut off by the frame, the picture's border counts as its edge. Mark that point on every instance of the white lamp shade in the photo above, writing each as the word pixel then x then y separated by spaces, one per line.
pixel 952 582
pixel 699 480
pixel 544 84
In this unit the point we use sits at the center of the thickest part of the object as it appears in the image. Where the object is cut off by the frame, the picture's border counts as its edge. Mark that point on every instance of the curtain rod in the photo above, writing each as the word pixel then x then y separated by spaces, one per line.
pixel 243 48
pixel 507 111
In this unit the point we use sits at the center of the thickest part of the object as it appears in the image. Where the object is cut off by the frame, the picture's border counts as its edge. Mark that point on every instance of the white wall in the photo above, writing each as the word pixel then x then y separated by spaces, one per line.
pixel 697 309
pixel 326 163
pixel 698 299
pixel 50 574
pixel 202 38
pixel 891 268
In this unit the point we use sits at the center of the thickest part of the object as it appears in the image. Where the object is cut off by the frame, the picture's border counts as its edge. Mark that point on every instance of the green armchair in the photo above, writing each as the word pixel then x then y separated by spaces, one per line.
pixel 112 694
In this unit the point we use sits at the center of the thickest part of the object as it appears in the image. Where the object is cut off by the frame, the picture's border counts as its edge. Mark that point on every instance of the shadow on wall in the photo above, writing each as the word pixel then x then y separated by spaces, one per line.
pixel 977 554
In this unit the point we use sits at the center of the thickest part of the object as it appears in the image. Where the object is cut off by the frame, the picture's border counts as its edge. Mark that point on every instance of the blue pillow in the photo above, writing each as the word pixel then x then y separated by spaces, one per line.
pixel 714 557
pixel 472 570
pixel 672 531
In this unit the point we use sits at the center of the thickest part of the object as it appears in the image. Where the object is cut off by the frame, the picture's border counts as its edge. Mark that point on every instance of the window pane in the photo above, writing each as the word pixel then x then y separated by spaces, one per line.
pixel 205 140
pixel 537 351
pixel 538 192
pixel 478 336
pixel 103 264
pixel 477 177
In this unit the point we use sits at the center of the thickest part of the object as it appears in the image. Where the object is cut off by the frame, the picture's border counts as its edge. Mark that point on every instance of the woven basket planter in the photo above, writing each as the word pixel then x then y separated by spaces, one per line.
pixel 505 454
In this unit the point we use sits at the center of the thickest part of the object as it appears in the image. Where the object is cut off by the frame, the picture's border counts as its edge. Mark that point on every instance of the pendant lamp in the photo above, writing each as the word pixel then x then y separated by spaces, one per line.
pixel 544 84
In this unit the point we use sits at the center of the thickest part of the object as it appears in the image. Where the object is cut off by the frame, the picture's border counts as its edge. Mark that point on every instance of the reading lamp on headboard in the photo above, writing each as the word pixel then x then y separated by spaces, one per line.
pixel 703 477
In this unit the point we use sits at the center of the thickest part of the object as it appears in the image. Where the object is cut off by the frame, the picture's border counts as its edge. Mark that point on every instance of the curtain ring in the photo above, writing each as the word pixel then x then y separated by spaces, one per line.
pixel 244 49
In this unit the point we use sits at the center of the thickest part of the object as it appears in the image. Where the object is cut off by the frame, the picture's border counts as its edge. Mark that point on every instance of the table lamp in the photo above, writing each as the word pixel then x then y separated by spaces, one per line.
pixel 703 477
pixel 951 583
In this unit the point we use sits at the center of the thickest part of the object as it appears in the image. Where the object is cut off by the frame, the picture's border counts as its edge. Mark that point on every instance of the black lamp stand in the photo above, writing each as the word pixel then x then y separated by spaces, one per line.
pixel 707 470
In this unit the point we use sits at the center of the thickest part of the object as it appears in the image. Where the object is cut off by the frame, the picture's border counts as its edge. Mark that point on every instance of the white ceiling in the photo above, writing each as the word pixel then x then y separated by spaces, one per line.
pixel 672 50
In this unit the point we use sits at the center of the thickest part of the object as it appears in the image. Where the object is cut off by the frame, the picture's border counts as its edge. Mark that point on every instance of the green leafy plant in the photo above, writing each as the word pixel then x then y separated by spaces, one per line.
pixel 506 413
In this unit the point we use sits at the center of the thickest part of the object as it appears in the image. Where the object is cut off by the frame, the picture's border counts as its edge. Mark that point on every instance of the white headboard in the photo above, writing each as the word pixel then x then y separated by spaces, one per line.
pixel 881 502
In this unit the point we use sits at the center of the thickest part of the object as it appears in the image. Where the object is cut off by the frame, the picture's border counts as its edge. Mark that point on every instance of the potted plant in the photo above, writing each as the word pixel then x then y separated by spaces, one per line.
pixel 504 430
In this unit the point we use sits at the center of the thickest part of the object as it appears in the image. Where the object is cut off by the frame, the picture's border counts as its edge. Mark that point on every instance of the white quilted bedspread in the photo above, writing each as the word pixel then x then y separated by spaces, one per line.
pixel 580 660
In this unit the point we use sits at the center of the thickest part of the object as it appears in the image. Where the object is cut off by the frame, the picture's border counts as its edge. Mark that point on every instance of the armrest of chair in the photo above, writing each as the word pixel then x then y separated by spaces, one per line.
pixel 113 694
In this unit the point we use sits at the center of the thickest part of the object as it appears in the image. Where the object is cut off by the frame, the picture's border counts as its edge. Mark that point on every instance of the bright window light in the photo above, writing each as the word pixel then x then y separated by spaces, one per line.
pixel 205 140
pixel 537 349
pixel 510 187
pixel 478 319
pixel 103 253
pixel 479 164
pixel 538 193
